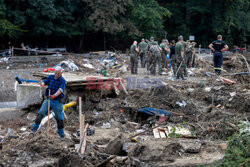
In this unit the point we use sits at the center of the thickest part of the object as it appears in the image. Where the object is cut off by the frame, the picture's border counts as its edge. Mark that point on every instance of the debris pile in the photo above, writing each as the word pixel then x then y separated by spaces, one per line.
pixel 159 122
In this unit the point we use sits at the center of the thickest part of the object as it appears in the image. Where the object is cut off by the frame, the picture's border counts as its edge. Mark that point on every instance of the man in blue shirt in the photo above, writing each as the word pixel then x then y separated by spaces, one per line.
pixel 56 85
pixel 218 47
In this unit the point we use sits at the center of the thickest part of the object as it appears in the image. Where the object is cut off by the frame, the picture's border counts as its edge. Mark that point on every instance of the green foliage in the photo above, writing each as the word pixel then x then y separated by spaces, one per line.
pixel 107 15
pixel 238 150
pixel 148 16
pixel 7 28
pixel 207 19
pixel 128 19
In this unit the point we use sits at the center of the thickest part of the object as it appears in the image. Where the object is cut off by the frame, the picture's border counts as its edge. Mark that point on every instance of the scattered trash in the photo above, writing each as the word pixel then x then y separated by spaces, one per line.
pixel 233 94
pixel 190 90
pixel 57 55
pixel 4 59
pixel 181 103
pixel 90 131
pixel 23 129
pixel 227 81
pixel 95 112
pixel 153 111
pixel 208 89
pixel 106 125
pixel 89 66
pixel 209 74
pixel 70 64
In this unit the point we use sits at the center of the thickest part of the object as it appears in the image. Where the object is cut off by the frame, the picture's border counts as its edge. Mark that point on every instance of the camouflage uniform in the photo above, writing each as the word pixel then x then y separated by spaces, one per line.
pixel 193 56
pixel 154 59
pixel 185 45
pixel 189 57
pixel 133 59
pixel 143 46
pixel 180 62
pixel 164 55
pixel 153 43
pixel 173 57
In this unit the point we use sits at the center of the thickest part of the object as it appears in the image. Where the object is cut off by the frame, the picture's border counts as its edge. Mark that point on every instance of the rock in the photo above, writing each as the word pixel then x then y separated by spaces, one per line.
pixel 114 147
pixel 191 146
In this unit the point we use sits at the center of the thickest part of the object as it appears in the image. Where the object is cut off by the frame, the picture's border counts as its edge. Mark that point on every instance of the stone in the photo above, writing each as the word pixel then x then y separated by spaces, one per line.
pixel 114 147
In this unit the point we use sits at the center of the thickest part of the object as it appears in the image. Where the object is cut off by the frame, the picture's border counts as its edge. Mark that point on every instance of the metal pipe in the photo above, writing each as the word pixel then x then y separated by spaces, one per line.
pixel 70 104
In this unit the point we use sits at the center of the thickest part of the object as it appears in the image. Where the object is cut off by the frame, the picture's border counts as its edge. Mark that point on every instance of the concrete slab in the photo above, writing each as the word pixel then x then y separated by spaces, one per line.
pixel 10 113
pixel 28 94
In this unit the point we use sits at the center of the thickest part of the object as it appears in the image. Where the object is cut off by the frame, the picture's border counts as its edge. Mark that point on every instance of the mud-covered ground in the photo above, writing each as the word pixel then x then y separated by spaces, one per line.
pixel 212 111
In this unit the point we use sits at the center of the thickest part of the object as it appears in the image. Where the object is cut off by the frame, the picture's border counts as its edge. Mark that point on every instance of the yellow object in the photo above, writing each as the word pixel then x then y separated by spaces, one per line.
pixel 70 104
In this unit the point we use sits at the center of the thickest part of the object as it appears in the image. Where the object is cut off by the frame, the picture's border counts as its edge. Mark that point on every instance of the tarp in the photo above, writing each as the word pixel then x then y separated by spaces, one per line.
pixel 153 111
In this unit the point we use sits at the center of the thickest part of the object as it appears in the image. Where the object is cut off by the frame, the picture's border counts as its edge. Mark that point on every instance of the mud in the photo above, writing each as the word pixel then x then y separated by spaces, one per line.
pixel 212 111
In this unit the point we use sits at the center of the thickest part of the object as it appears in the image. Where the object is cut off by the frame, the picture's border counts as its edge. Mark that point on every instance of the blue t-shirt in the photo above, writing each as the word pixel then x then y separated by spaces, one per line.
pixel 54 85
pixel 218 45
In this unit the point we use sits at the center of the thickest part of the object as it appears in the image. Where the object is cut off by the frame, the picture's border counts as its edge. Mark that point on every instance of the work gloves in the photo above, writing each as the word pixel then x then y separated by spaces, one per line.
pixel 52 96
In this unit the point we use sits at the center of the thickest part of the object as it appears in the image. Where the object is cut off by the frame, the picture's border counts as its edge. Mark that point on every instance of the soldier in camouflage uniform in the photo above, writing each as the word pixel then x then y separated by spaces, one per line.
pixel 189 56
pixel 185 44
pixel 143 48
pixel 134 58
pixel 155 58
pixel 179 59
pixel 152 41
pixel 193 54
pixel 165 50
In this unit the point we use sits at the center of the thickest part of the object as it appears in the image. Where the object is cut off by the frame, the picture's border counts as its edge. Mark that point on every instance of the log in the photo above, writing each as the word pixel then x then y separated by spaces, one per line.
pixel 105 161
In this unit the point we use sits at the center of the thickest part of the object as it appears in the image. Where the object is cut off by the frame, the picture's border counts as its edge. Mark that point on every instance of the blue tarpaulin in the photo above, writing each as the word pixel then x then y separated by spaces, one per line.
pixel 153 111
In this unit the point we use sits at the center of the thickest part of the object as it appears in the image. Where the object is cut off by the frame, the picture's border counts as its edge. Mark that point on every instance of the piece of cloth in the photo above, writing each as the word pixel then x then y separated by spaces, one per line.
pixel 218 60
pixel 54 85
pixel 57 108
pixel 154 111
pixel 218 45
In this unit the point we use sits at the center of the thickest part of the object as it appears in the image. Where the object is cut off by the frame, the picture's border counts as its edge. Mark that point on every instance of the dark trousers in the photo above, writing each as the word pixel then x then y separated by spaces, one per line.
pixel 134 63
pixel 218 59
pixel 143 59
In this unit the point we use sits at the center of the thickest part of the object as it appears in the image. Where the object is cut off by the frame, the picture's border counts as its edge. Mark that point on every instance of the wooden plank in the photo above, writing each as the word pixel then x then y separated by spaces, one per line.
pixel 125 90
pixel 80 117
pixel 48 125
pixel 83 140
pixel 83 121
pixel 156 133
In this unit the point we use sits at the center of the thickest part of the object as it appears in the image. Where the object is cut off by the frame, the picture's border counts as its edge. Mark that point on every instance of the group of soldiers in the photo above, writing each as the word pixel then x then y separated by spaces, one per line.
pixel 180 55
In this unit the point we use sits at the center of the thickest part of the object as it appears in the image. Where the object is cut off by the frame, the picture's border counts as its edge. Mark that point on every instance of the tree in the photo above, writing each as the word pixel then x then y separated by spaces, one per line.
pixel 148 17
pixel 6 27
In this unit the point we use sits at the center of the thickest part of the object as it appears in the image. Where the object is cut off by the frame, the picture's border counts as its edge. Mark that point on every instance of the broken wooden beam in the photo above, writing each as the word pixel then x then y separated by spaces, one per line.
pixel 105 161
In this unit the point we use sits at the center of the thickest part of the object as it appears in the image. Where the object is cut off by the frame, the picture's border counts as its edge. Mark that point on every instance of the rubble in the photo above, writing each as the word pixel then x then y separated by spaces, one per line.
pixel 142 121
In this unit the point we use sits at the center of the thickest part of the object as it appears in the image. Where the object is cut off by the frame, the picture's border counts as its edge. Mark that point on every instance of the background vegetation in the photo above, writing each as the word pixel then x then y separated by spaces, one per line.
pixel 106 24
